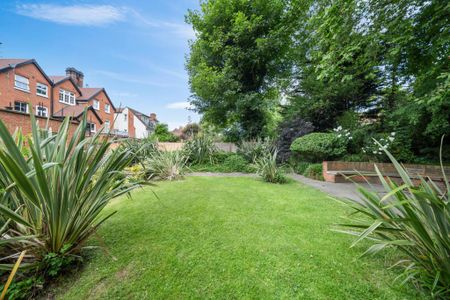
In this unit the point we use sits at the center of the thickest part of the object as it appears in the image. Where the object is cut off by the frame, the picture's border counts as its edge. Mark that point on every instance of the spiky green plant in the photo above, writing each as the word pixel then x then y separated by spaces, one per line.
pixel 50 202
pixel 254 149
pixel 200 149
pixel 412 217
pixel 266 167
pixel 141 148
pixel 166 165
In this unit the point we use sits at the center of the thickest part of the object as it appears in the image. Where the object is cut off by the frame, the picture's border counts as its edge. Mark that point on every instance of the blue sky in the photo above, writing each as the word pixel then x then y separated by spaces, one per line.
pixel 135 49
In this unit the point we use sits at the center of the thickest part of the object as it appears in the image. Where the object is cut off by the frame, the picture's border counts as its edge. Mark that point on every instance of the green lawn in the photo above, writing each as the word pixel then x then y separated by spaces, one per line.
pixel 229 238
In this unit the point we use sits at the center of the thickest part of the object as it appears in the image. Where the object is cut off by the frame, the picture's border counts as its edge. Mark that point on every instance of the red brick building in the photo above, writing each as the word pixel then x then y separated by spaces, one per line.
pixel 25 88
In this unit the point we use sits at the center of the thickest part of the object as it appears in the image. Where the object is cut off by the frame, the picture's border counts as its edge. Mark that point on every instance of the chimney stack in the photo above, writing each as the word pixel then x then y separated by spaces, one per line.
pixel 76 75
pixel 153 117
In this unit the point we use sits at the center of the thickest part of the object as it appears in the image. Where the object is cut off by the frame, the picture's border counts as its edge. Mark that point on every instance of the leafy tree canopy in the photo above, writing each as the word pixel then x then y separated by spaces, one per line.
pixel 235 61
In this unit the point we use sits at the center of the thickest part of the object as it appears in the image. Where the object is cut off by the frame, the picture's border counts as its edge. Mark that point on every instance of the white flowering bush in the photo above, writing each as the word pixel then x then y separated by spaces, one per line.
pixel 378 146
pixel 343 134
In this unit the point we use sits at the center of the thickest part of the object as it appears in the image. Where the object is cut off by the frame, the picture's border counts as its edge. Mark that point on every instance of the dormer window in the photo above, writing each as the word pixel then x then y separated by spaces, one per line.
pixel 66 97
pixel 21 83
pixel 107 108
pixel 96 105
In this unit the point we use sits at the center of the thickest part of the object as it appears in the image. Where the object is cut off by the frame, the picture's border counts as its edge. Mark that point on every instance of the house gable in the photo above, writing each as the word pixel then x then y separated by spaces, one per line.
pixel 27 97
pixel 66 84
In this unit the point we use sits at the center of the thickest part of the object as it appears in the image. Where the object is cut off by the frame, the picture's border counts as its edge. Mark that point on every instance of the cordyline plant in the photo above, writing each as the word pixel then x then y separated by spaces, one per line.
pixel 165 165
pixel 200 149
pixel 414 218
pixel 266 167
pixel 50 201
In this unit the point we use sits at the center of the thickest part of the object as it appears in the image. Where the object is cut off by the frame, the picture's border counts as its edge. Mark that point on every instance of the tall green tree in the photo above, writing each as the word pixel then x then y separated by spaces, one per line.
pixel 236 60
pixel 415 37
pixel 334 63
pixel 387 57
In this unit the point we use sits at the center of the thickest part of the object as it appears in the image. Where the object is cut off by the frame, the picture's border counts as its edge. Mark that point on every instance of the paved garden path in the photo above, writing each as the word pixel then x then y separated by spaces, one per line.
pixel 338 190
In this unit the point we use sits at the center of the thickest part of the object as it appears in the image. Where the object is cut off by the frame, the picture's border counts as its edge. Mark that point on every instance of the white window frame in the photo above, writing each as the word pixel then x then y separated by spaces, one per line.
pixel 21 83
pixel 125 117
pixel 45 110
pixel 42 87
pixel 21 102
pixel 107 108
pixel 92 128
pixel 96 104
pixel 67 97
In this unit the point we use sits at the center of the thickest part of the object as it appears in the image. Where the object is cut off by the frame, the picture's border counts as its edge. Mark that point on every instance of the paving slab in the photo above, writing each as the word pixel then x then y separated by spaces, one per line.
pixel 337 190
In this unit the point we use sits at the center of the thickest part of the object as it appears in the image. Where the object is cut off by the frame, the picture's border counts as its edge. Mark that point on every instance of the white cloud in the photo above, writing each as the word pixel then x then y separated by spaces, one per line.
pixel 86 15
pixel 98 15
pixel 179 105
pixel 182 30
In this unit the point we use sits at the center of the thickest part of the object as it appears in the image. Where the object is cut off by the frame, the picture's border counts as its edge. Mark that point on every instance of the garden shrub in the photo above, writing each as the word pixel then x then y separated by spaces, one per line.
pixel 220 156
pixel 141 148
pixel 299 167
pixel 235 163
pixel 225 162
pixel 288 131
pixel 356 157
pixel 24 286
pixel 190 131
pixel 314 171
pixel 318 146
pixel 136 173
pixel 266 167
pixel 162 134
pixel 166 165
pixel 253 149
pixel 200 149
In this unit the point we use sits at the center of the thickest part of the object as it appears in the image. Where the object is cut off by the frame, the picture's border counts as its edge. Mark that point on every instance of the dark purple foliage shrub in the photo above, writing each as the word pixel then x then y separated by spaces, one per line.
pixel 288 131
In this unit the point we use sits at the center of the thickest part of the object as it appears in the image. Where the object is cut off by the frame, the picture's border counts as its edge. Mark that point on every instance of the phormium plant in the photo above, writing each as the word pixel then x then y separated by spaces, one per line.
pixel 50 201
pixel 266 167
pixel 414 218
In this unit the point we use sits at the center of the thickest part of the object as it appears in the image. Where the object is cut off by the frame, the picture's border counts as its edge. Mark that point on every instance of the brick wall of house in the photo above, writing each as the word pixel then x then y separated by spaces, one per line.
pixel 9 94
pixel 14 120
pixel 131 128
